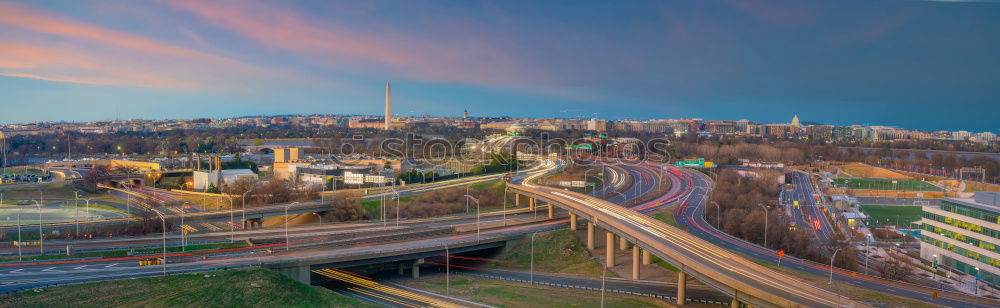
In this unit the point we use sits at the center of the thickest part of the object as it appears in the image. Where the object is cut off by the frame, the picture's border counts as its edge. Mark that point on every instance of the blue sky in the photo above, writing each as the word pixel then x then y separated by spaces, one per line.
pixel 917 64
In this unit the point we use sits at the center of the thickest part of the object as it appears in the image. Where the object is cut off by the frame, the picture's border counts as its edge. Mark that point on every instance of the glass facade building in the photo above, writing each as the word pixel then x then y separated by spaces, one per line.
pixel 964 235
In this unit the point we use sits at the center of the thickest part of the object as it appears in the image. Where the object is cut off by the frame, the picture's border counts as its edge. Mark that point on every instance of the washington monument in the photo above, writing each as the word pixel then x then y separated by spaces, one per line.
pixel 388 107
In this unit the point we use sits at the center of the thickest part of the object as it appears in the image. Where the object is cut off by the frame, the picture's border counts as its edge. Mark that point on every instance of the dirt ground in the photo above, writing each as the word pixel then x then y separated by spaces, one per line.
pixel 866 171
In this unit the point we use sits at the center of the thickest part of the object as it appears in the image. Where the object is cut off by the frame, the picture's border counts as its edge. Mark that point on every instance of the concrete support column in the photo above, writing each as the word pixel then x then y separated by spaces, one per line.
pixel 400 268
pixel 415 271
pixel 531 204
pixel 610 249
pixel 635 262
pixel 590 235
pixel 551 209
pixel 517 200
pixel 622 243
pixel 681 287
pixel 572 221
pixel 646 257
pixel 736 301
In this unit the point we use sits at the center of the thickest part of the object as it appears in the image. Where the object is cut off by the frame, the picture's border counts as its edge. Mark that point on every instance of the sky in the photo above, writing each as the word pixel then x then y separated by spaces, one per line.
pixel 929 65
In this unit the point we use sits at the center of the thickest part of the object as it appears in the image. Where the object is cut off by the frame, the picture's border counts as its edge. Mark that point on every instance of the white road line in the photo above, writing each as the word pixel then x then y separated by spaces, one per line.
pixel 112 264
pixel 49 269
pixel 17 270
pixel 79 267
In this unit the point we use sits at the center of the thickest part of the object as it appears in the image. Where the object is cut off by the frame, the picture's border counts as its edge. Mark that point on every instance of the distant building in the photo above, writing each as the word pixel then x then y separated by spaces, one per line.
pixel 964 235
pixel 204 179
pixel 795 121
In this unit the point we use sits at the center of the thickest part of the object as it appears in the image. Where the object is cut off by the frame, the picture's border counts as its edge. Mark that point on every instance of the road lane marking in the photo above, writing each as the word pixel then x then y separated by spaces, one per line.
pixel 49 269
pixel 17 270
pixel 112 264
pixel 79 267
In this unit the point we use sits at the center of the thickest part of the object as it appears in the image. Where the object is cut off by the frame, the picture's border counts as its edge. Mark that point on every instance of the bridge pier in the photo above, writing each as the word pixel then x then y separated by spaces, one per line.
pixel 400 268
pixel 622 243
pixel 298 273
pixel 590 235
pixel 610 249
pixel 645 257
pixel 572 222
pixel 681 287
pixel 551 209
pixel 517 200
pixel 531 204
pixel 415 271
pixel 635 262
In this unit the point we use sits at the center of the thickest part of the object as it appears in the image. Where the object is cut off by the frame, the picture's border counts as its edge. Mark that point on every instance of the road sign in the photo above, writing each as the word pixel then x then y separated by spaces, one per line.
pixel 781 253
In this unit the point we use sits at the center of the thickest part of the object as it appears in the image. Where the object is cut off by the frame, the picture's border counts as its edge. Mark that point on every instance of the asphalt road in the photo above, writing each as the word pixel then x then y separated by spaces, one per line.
pixel 716 265
pixel 692 218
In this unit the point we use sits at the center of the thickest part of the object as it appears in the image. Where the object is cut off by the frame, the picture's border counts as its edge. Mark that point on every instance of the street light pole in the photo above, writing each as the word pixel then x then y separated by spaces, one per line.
pixel 505 191
pixel 531 272
pixel 243 207
pixel 468 197
pixel 232 224
pixel 164 224
pixel 183 228
pixel 604 273
pixel 76 194
pixel 41 239
pixel 19 241
pixel 718 217
pixel 287 242
pixel 447 270
pixel 831 266
pixel 867 254
pixel 765 224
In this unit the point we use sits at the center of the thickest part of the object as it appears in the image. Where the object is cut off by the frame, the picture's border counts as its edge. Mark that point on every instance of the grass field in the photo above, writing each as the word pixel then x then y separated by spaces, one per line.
pixel 22 171
pixel 555 252
pixel 511 294
pixel 881 299
pixel 880 215
pixel 885 184
pixel 230 288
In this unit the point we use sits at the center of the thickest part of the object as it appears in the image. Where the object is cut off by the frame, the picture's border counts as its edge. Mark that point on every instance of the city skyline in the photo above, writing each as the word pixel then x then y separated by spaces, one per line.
pixel 909 64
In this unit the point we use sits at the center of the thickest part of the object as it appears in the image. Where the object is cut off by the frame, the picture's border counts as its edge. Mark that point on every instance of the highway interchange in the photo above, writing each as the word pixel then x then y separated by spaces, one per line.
pixel 690 185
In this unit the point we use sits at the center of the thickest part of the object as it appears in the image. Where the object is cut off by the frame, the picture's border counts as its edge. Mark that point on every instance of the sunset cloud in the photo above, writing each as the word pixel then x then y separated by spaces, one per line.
pixel 448 58
pixel 79 52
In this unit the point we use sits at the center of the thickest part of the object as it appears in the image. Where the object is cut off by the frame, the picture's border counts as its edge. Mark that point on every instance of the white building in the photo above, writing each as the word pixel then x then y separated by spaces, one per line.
pixel 204 179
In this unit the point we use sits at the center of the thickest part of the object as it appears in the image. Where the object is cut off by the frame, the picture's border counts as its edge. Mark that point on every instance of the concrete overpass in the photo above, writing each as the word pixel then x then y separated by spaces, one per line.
pixel 744 280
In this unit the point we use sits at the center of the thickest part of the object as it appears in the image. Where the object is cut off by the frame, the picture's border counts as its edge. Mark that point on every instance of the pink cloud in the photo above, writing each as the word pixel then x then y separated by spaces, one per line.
pixel 44 22
pixel 67 64
pixel 123 58
pixel 458 58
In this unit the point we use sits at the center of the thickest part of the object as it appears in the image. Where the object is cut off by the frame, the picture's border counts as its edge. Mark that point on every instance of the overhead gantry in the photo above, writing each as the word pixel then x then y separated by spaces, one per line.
pixel 744 280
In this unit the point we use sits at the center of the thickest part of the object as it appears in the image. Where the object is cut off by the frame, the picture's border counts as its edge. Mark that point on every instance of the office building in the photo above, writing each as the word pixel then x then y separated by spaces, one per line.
pixel 963 234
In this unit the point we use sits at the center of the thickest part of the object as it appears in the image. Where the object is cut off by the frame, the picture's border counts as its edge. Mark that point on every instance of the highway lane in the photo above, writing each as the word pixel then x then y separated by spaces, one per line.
pixel 706 262
pixel 381 294
pixel 803 183
pixel 690 215
pixel 41 273
pixel 58 246
pixel 808 214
